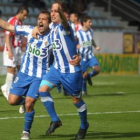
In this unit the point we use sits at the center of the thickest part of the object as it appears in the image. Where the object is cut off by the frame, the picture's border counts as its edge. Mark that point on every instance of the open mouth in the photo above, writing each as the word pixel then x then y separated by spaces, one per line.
pixel 41 27
pixel 53 18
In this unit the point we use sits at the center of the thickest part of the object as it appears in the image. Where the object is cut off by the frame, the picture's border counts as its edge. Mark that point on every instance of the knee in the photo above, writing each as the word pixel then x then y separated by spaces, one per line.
pixel 12 101
pixel 97 69
pixel 11 70
pixel 44 89
pixel 28 107
pixel 75 100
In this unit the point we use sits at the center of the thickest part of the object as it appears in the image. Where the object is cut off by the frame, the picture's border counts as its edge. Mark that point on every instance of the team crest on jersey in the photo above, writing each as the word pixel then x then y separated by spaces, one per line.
pixel 46 43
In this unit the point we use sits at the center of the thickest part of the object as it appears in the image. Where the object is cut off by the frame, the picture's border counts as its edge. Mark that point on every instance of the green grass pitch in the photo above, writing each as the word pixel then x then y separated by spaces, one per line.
pixel 113 104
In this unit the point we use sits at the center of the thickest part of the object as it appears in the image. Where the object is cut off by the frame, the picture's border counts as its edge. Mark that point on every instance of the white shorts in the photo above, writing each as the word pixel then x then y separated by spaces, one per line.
pixel 17 56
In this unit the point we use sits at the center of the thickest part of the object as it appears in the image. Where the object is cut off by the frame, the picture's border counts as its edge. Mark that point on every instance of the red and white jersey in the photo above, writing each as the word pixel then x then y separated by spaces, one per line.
pixel 15 40
pixel 78 26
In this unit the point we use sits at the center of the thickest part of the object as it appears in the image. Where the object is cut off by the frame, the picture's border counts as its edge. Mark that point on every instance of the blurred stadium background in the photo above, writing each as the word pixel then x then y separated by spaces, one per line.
pixel 116 25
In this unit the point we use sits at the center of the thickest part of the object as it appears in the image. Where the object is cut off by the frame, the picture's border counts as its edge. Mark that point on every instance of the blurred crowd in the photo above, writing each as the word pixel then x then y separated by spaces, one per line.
pixel 78 6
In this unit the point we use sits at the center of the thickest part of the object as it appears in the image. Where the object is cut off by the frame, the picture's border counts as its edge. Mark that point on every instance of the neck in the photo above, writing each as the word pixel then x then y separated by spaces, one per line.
pixel 17 16
pixel 84 28
pixel 76 22
pixel 45 32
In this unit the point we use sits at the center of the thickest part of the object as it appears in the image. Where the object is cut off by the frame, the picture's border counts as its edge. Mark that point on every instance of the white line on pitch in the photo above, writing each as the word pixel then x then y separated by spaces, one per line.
pixel 75 114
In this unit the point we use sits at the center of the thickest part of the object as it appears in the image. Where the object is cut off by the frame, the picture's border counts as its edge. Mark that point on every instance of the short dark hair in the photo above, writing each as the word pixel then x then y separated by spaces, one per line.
pixel 47 13
pixel 85 18
pixel 76 14
pixel 22 8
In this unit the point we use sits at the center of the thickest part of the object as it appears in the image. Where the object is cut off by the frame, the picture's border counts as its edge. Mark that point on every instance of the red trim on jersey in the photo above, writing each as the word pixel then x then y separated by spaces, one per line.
pixel 16 40
pixel 78 26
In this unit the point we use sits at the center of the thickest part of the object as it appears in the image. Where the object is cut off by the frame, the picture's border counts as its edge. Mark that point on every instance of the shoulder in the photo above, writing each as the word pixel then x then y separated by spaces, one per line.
pixel 79 25
pixel 12 20
pixel 91 30
pixel 80 31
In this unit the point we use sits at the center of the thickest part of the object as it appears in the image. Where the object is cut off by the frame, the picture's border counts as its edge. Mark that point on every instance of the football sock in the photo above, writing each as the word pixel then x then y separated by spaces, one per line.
pixel 9 80
pixel 92 73
pixel 8 83
pixel 29 117
pixel 48 103
pixel 82 110
pixel 59 88
pixel 84 85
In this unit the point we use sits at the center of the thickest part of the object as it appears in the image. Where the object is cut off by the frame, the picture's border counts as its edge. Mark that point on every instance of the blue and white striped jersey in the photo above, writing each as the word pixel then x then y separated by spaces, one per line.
pixel 85 41
pixel 64 48
pixel 70 23
pixel 35 60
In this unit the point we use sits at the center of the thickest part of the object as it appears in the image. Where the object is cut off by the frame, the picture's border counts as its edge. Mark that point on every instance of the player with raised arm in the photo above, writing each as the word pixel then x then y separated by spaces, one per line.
pixel 66 13
pixel 64 49
pixel 85 48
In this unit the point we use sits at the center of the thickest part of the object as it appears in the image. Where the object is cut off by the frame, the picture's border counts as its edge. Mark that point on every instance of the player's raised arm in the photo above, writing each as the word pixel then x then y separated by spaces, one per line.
pixel 62 18
pixel 5 25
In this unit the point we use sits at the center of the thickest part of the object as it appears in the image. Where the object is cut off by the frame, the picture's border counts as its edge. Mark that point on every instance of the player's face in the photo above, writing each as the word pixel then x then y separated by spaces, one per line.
pixel 55 18
pixel 23 15
pixel 72 18
pixel 88 24
pixel 43 23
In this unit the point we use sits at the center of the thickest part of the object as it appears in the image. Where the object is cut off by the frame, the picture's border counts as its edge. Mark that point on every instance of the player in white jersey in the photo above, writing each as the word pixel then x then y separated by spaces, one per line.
pixel 12 50
pixel 34 66
pixel 64 50
pixel 85 48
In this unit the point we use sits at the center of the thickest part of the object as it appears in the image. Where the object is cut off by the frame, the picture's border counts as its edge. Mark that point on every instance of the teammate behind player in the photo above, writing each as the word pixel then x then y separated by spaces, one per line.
pixel 85 48
pixel 12 50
